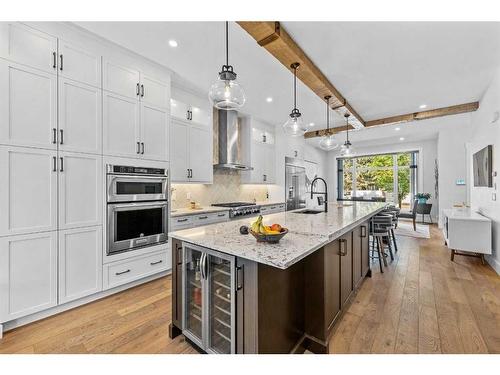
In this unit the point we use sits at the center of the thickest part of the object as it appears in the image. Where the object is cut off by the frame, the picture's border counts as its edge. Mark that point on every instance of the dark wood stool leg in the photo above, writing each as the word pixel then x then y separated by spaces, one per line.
pixel 379 256
pixel 482 260
pixel 390 246
pixel 394 240
pixel 382 250
pixel 452 254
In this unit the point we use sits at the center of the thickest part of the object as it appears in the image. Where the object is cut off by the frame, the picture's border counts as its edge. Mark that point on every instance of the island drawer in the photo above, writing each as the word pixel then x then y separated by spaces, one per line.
pixel 122 272
pixel 211 218
pixel 182 222
pixel 272 208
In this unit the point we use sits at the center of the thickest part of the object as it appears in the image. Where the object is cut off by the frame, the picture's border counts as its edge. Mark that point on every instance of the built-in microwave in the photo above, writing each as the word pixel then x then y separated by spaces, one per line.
pixel 137 207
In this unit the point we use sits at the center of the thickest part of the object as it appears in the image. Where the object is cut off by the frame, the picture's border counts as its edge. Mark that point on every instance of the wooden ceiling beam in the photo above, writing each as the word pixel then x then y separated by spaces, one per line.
pixel 416 116
pixel 275 39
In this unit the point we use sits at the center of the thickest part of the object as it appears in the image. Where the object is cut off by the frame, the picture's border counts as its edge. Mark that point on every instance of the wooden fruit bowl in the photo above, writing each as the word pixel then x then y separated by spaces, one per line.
pixel 269 238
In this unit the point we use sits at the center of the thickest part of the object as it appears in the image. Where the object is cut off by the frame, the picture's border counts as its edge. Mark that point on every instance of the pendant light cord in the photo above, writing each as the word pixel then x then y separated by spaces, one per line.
pixel 327 115
pixel 347 126
pixel 294 87
pixel 227 43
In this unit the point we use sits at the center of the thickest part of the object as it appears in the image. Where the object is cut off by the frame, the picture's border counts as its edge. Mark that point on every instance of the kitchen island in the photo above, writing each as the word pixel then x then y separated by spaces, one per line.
pixel 231 294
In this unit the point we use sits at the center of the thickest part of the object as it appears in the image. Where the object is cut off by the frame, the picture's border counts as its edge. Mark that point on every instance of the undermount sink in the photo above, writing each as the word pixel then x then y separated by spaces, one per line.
pixel 308 212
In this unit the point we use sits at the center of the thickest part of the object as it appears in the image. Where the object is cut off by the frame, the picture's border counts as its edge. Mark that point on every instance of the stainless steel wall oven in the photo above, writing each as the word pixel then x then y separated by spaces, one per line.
pixel 137 207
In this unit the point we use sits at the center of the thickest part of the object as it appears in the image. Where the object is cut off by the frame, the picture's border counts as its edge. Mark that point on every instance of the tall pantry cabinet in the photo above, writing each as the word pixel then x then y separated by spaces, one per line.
pixel 51 157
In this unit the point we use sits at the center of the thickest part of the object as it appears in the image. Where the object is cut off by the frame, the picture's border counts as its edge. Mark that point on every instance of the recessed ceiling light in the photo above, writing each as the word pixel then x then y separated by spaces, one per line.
pixel 422 106
pixel 172 43
pixel 402 138
pixel 311 124
pixel 397 129
pixel 269 99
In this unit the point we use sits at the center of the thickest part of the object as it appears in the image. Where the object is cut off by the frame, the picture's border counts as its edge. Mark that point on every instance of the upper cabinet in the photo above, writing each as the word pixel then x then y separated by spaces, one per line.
pixel 191 143
pixel 135 112
pixel 28 46
pixel 79 64
pixel 259 152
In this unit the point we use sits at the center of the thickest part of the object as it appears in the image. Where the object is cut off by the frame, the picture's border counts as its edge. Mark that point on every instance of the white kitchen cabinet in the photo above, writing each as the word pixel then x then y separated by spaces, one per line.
pixel 200 154
pixel 80 263
pixel 79 64
pixel 263 161
pixel 80 117
pixel 80 190
pixel 154 132
pixel 191 153
pixel 154 91
pixel 28 274
pixel 121 125
pixel 188 108
pixel 179 110
pixel 120 79
pixel 28 106
pixel 28 190
pixel 27 46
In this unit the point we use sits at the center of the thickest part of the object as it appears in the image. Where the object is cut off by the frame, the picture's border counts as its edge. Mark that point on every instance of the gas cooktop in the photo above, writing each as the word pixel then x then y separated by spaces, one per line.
pixel 238 209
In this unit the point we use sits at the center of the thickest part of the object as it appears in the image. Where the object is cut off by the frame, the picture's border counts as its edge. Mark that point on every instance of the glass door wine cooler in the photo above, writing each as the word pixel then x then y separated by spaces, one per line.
pixel 209 286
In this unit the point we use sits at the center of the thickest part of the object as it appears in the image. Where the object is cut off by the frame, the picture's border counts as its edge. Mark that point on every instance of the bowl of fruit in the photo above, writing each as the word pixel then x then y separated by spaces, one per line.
pixel 267 233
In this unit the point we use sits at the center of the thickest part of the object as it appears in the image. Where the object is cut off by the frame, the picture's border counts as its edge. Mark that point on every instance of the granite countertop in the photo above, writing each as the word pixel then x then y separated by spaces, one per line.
pixel 207 209
pixel 307 233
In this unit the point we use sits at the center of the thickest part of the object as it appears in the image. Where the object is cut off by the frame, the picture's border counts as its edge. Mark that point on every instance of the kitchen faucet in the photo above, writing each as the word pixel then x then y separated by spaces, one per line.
pixel 325 193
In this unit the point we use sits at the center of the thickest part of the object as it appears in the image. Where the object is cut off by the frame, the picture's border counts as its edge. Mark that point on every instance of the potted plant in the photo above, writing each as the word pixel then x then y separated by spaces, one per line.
pixel 423 197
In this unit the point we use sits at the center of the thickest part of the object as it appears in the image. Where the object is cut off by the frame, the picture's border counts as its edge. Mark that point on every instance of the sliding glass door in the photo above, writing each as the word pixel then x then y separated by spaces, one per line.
pixel 390 178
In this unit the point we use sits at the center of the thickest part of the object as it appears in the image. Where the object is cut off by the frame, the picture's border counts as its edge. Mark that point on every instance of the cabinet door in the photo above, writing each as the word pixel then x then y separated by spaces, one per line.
pixel 79 64
pixel 193 296
pixel 179 147
pixel 28 106
pixel 259 155
pixel 80 190
pixel 270 164
pixel 80 263
pixel 356 256
pixel 154 132
pixel 120 79
pixel 201 116
pixel 200 154
pixel 28 46
pixel 28 274
pixel 179 110
pixel 80 117
pixel 346 287
pixel 121 131
pixel 155 92
pixel 28 190
pixel 332 282
pixel 365 248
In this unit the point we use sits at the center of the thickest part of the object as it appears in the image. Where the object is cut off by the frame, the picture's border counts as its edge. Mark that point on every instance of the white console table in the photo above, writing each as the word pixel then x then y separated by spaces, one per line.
pixel 467 232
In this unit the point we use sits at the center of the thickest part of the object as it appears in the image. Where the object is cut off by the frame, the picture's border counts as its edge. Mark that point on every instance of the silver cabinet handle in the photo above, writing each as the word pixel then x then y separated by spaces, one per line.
pixel 239 278
pixel 264 138
pixel 142 91
pixel 296 153
pixel 142 145
pixel 54 60
pixel 137 88
pixel 62 164
pixel 221 215
pixel 343 249
pixel 179 254
pixel 61 141
pixel 202 217
pixel 155 263
pixel 61 60
pixel 363 231
pixel 182 220
pixel 202 268
pixel 188 173
pixel 54 135
pixel 121 273
pixel 54 164
pixel 138 148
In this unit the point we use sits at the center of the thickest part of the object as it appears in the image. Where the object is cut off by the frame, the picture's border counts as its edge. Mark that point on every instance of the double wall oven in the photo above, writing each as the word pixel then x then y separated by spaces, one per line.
pixel 137 207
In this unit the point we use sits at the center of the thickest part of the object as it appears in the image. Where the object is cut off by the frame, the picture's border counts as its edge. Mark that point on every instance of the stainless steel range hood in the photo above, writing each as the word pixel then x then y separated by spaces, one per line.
pixel 227 141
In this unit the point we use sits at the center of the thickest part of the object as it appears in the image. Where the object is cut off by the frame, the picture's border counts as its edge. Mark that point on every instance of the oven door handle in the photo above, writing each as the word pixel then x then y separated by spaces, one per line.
pixel 117 206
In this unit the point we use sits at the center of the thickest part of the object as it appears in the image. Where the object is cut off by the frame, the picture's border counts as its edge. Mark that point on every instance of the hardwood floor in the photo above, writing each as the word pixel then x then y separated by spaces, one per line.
pixel 423 303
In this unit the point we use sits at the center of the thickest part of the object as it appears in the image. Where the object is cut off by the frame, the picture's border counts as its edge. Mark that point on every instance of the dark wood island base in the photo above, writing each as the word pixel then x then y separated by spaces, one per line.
pixel 295 309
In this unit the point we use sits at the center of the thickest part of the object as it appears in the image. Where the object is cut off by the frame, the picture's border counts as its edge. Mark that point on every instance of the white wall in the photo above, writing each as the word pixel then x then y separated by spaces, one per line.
pixel 427 156
pixel 487 133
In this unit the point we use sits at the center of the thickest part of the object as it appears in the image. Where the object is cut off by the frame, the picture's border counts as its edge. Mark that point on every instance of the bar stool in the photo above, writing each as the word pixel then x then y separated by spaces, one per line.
pixel 394 211
pixel 380 226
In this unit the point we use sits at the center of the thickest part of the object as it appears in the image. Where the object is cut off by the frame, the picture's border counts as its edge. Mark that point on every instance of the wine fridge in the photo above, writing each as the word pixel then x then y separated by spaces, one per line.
pixel 209 285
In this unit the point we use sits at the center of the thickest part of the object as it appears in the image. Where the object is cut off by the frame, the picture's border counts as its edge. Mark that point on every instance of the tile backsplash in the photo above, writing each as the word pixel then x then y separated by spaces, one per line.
pixel 226 187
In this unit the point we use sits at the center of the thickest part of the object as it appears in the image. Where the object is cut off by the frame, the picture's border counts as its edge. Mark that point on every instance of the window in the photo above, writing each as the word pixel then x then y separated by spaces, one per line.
pixel 388 178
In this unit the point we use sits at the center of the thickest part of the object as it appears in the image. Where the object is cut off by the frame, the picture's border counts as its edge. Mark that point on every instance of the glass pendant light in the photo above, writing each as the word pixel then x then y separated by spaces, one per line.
pixel 347 149
pixel 226 93
pixel 294 126
pixel 328 143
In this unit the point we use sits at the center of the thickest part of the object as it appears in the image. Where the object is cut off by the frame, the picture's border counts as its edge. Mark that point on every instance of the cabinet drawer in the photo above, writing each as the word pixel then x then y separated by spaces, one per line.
pixel 123 272
pixel 211 218
pixel 182 222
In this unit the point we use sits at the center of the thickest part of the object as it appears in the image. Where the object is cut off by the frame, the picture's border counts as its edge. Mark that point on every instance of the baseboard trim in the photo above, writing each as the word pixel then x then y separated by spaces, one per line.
pixel 7 326
pixel 495 264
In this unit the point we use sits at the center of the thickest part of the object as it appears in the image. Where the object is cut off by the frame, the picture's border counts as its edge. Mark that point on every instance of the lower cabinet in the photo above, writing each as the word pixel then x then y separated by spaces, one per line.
pixel 345 252
pixel 360 254
pixel 80 263
pixel 332 283
pixel 28 274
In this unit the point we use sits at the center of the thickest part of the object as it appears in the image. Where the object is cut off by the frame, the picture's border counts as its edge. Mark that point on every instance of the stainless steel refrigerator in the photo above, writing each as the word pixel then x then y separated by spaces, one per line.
pixel 295 184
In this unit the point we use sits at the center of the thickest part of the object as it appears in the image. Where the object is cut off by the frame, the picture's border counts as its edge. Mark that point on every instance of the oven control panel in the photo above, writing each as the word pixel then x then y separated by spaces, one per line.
pixel 125 169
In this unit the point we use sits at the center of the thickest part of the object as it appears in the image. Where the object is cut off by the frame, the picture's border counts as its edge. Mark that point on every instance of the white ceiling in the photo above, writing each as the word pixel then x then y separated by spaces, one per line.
pixel 382 68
